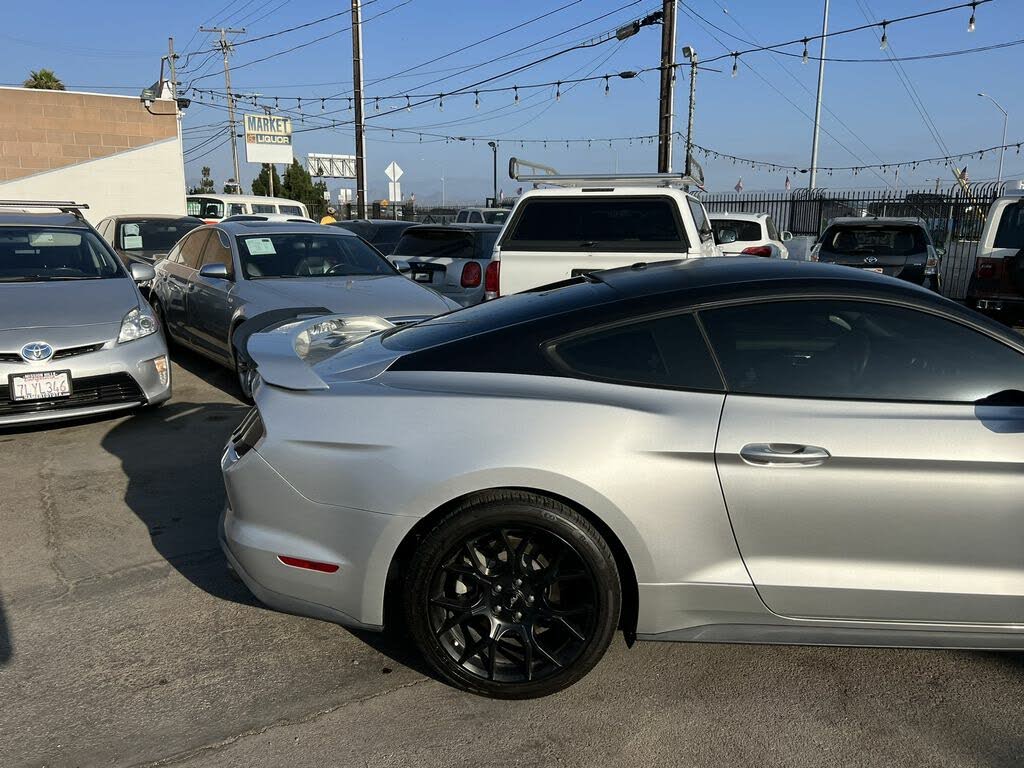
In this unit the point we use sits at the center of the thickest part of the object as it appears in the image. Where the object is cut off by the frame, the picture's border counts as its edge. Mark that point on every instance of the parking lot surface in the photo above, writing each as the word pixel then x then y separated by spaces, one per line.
pixel 124 641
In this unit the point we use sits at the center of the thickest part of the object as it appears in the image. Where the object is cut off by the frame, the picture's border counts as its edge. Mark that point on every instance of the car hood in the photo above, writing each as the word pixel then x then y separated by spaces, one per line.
pixel 389 296
pixel 66 303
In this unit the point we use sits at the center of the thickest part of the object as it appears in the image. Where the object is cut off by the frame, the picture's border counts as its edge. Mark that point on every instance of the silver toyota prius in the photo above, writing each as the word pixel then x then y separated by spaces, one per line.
pixel 217 277
pixel 716 450
pixel 76 336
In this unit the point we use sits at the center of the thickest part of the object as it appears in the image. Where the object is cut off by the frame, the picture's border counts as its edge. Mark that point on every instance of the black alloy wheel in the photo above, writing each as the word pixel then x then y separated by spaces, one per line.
pixel 516 596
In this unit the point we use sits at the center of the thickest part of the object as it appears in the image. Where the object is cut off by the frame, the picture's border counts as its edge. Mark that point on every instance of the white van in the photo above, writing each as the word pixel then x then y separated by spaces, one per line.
pixel 997 284
pixel 213 208
pixel 589 223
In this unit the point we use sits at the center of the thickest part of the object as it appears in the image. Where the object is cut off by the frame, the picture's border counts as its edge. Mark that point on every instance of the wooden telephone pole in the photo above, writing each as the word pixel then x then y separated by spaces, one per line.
pixel 226 48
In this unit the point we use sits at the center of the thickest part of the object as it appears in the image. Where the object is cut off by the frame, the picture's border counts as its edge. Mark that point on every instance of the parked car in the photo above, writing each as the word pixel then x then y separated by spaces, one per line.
pixel 720 450
pixel 213 208
pixel 382 234
pixel 892 246
pixel 269 217
pixel 145 239
pixel 555 234
pixel 218 276
pixel 482 216
pixel 76 336
pixel 453 259
pixel 749 234
pixel 997 285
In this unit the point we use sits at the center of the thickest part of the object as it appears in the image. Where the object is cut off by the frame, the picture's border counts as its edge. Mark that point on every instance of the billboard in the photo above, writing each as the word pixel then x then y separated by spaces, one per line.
pixel 268 139
pixel 331 166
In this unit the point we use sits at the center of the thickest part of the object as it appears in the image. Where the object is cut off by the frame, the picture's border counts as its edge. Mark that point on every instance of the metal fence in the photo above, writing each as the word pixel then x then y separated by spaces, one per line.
pixel 955 217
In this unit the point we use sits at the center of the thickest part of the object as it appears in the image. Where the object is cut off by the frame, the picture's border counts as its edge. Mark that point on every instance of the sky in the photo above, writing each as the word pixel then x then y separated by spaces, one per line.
pixel 763 113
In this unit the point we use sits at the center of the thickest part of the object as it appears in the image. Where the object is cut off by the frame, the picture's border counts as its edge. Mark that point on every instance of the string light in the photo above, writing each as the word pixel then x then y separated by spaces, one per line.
pixel 558 91
pixel 805 57
pixel 408 104
pixel 476 99
pixel 735 64
pixel 970 23
pixel 376 104
pixel 607 86
pixel 323 104
pixel 884 42
pixel 515 89
pixel 440 103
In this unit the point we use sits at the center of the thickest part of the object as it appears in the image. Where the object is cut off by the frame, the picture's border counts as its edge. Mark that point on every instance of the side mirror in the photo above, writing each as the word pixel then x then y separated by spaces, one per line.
pixel 402 265
pixel 142 273
pixel 940 251
pixel 787 236
pixel 215 271
pixel 726 235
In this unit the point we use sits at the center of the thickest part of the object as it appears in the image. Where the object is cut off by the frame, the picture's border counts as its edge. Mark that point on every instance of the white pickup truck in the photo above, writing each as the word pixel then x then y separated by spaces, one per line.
pixel 589 222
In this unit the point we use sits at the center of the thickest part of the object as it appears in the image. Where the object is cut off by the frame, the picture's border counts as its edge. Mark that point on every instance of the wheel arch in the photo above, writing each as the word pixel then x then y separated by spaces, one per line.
pixel 624 562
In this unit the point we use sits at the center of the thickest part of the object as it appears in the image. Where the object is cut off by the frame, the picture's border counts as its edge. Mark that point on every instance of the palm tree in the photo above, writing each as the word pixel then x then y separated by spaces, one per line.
pixel 44 79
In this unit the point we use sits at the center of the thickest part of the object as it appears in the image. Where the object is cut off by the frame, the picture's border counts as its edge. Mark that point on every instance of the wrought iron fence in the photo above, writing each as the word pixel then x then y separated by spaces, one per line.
pixel 955 217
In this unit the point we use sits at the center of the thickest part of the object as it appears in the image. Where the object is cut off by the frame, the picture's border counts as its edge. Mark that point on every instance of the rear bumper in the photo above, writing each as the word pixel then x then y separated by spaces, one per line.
pixel 266 518
pixel 1005 308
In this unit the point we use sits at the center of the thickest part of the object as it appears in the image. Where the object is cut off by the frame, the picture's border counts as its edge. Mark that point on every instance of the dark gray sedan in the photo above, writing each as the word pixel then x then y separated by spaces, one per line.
pixel 218 276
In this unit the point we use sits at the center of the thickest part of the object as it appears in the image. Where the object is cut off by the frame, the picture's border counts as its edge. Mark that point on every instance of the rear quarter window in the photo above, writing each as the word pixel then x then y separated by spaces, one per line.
pixel 639 224
pixel 1010 232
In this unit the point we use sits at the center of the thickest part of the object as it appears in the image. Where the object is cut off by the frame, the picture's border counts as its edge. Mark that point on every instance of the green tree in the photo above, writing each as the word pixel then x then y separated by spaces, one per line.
pixel 297 184
pixel 260 184
pixel 205 186
pixel 44 79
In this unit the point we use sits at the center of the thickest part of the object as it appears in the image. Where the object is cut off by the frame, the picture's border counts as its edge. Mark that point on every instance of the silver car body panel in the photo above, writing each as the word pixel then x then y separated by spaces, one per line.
pixel 907 533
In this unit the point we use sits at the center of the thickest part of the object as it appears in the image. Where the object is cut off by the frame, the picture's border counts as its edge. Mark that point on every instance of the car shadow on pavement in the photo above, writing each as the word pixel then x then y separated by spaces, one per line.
pixel 171 459
pixel 206 369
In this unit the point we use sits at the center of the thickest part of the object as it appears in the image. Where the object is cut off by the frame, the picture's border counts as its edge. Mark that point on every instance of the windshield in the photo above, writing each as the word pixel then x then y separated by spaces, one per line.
pixel 309 255
pixel 36 254
pixel 874 241
pixel 154 234
pixel 433 243
pixel 745 230
pixel 205 208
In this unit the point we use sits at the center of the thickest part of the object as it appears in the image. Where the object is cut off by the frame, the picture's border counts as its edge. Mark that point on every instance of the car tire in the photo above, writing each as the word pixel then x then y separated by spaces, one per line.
pixel 244 377
pixel 512 595
pixel 161 320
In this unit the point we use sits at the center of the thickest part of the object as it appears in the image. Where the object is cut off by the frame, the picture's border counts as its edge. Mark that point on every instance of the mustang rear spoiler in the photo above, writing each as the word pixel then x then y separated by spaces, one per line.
pixel 283 345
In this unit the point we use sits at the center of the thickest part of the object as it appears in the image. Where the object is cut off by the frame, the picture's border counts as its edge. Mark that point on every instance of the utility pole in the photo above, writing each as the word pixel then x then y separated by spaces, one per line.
pixel 666 104
pixel 225 48
pixel 172 58
pixel 813 181
pixel 494 146
pixel 691 54
pixel 357 94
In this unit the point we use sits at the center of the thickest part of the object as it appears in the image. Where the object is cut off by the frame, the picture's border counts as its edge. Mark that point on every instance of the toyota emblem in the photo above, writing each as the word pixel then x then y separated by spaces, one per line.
pixel 36 352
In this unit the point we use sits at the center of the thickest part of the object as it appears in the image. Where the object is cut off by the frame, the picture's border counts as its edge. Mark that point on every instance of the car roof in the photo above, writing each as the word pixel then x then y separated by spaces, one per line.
pixel 608 190
pixel 244 228
pixel 14 217
pixel 461 226
pixel 737 216
pixel 871 221
pixel 155 216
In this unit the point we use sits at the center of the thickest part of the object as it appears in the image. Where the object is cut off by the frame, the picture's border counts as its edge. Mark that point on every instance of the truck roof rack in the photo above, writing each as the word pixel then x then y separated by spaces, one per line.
pixel 64 206
pixel 549 175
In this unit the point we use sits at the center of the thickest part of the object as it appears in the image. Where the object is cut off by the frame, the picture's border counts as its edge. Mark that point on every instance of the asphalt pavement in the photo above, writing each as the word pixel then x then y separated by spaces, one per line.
pixel 124 641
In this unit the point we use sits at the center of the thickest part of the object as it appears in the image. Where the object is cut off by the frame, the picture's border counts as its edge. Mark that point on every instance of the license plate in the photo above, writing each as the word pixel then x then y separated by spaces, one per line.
pixel 421 277
pixel 873 269
pixel 44 385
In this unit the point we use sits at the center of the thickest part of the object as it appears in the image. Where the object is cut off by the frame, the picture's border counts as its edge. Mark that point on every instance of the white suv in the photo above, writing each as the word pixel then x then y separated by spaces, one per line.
pixel 555 234
pixel 749 234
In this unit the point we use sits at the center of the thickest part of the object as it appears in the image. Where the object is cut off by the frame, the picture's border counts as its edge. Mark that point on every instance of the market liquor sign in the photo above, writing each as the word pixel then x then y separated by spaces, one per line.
pixel 268 139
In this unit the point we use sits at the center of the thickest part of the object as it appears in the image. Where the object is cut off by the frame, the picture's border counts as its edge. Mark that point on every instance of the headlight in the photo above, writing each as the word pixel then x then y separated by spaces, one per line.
pixel 136 324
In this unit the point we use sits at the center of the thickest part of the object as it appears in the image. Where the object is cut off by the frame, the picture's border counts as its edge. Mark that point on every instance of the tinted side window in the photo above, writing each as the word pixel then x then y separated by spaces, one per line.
pixel 858 350
pixel 462 217
pixel 1010 233
pixel 263 208
pixel 700 220
pixel 597 224
pixel 192 249
pixel 218 250
pixel 667 351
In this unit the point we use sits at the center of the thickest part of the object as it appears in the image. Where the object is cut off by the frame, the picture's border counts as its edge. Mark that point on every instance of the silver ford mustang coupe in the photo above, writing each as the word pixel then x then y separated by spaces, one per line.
pixel 76 336
pixel 715 450
pixel 217 277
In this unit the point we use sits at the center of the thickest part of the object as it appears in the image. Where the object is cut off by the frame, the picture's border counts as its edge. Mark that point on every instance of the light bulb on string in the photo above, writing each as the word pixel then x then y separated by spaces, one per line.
pixel 884 42
pixel 515 90
pixel 735 64
pixel 970 23
pixel 408 107
pixel 323 104
pixel 376 104
pixel 275 102
pixel 440 103
pixel 805 57
pixel 558 91
pixel 476 99
pixel 350 103
pixel 607 86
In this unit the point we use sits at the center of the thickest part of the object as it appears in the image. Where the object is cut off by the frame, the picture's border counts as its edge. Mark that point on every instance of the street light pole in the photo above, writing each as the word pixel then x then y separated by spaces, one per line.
pixel 813 181
pixel 1002 149
pixel 494 146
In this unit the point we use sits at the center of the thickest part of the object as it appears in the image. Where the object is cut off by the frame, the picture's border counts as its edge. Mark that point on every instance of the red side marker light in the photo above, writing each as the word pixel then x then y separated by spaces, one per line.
pixel 309 565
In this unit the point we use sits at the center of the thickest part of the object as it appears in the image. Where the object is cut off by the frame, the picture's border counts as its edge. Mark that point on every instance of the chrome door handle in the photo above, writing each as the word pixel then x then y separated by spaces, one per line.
pixel 784 454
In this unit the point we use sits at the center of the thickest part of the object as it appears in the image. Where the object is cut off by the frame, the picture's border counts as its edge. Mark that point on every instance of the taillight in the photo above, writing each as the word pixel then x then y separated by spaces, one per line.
pixel 309 565
pixel 756 250
pixel 986 269
pixel 492 279
pixel 471 274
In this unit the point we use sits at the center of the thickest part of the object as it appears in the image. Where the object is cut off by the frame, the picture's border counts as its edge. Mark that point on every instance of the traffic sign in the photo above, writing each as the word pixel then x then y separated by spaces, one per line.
pixel 393 171
pixel 394 191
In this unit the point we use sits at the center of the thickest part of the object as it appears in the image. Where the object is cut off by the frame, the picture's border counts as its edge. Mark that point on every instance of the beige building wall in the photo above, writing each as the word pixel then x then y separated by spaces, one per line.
pixel 107 151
